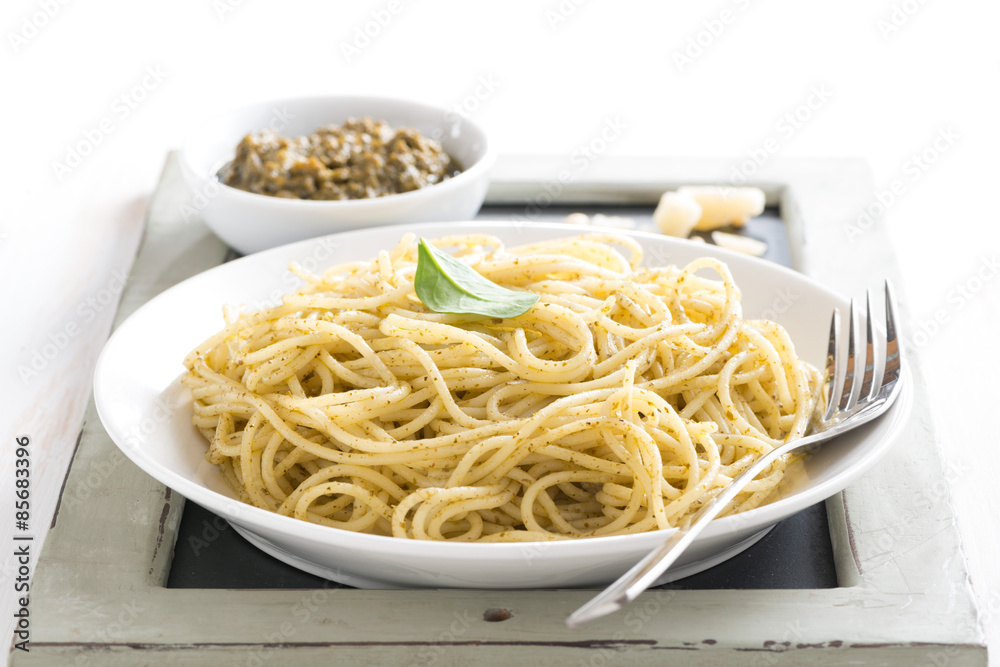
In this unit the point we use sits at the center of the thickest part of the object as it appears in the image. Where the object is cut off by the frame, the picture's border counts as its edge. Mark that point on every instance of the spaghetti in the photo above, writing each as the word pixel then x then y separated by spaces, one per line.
pixel 619 403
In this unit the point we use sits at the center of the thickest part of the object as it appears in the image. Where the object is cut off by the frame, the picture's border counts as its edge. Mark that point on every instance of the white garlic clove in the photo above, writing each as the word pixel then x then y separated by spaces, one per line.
pixel 743 244
pixel 677 214
pixel 722 205
pixel 577 219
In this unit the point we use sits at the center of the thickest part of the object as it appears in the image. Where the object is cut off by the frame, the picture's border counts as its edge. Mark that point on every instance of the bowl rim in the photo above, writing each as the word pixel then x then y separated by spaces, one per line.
pixel 470 173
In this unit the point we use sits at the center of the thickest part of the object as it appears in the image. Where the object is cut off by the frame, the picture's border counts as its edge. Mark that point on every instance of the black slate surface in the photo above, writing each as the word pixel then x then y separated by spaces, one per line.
pixel 797 553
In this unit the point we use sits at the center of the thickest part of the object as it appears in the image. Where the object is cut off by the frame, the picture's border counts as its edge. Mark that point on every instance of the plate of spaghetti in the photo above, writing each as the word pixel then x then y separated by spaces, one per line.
pixel 486 405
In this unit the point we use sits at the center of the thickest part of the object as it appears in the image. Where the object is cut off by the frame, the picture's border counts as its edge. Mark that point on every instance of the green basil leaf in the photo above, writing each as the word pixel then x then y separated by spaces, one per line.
pixel 447 285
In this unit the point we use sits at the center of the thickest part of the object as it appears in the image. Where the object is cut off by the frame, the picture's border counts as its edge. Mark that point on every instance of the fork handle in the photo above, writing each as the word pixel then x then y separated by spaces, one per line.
pixel 644 573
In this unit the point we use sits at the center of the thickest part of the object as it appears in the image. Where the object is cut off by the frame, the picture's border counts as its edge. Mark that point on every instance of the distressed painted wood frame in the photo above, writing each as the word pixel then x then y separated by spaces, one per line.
pixel 99 595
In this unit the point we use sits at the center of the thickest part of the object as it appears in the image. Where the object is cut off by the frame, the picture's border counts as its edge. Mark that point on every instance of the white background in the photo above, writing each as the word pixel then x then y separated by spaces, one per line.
pixel 885 79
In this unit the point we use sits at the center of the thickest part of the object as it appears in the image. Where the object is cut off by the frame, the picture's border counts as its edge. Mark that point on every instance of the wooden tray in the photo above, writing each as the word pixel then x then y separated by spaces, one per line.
pixel 99 594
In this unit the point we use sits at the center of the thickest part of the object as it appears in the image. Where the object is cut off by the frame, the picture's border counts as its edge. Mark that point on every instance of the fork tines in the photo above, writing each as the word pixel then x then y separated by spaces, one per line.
pixel 861 381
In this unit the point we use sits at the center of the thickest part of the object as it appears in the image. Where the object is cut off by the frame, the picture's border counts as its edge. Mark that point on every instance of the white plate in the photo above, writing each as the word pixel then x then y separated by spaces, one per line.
pixel 147 413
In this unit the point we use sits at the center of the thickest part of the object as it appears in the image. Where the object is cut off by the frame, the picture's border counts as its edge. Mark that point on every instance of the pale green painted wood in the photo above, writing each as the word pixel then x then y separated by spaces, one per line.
pixel 98 595
pixel 417 655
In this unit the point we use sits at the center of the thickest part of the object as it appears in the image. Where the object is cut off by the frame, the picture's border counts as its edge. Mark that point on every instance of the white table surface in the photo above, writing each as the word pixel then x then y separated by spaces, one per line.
pixel 910 86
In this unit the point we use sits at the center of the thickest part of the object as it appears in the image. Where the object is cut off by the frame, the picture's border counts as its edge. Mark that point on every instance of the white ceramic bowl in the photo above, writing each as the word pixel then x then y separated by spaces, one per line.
pixel 148 414
pixel 251 222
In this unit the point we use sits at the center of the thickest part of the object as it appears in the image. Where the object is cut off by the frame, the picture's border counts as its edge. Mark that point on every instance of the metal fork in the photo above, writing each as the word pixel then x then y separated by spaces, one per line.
pixel 854 397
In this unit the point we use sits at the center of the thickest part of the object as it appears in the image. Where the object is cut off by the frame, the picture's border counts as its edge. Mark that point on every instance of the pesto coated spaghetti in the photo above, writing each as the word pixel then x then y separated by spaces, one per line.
pixel 617 404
